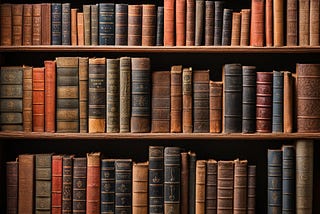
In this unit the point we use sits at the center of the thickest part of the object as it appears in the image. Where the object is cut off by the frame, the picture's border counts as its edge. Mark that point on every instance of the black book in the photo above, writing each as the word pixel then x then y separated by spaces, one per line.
pixel 56 23
pixel 121 26
pixel 277 102
pixel 218 15
pixel 66 24
pixel 192 182
pixel 123 190
pixel 288 178
pixel 159 33
pixel 67 168
pixel 249 99
pixel 274 181
pixel 107 193
pixel 106 23
pixel 226 26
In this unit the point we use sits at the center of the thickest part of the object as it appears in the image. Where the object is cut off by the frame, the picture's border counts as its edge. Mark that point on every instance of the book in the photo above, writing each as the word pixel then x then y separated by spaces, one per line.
pixel 209 23
pixel 176 99
pixel 74 26
pixel 17 20
pixel 87 24
pixel 201 166
pixel 192 182
pixel 225 185
pixel 123 190
pixel 180 25
pixel 235 29
pixel 36 24
pixel 169 23
pixel 159 30
pixel 148 35
pixel 184 182
pixel 277 101
pixel 278 23
pixel 269 24
pixel 94 24
pixel 83 93
pixel 288 94
pixel 249 77
pixel 79 184
pixel 304 22
pixel 245 27
pixel 106 23
pixel 216 89
pixel 27 24
pixel 226 26
pixel 288 178
pixel 190 22
pixel 257 23
pixel 187 123
pixel 80 28
pixel 50 95
pixel 140 188
pixel 274 180
pixel 6 24
pixel 134 25
pixel 314 22
pixel 12 186
pixel 56 23
pixel 121 26
pixel 199 22
pixel 93 183
pixel 56 186
pixel 160 102
pixel 97 95
pixel 240 186
pixel 38 96
pixel 125 93
pixel 27 99
pixel 218 17
pixel 66 24
pixel 67 176
pixel 107 193
pixel 251 196
pixel 45 24
pixel 292 23
pixel 211 186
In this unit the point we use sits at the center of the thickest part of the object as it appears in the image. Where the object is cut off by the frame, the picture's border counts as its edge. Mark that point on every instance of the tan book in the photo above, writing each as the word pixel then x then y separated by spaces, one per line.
pixel 27 24
pixel 27 98
pixel 314 22
pixel 201 186
pixel 278 23
pixel 225 187
pixel 74 28
pixel 304 22
pixel 287 102
pixel 80 28
pixel 176 99
pixel 215 107
pixel 187 100
pixel 245 27
pixel 93 183
pixel 240 187
pixel 36 24
pixel 140 188
pixel 235 30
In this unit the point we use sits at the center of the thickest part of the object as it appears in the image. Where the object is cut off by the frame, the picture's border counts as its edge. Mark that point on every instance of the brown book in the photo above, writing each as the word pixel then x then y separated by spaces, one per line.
pixel 17 16
pixel 50 95
pixel 74 27
pixel 235 30
pixel 27 99
pixel 184 182
pixel 38 99
pixel 93 183
pixel 134 25
pixel 211 186
pixel 169 23
pixel 26 184
pixel 304 22
pixel 87 24
pixel 314 22
pixel 199 22
pixel 245 27
pixel 36 24
pixel 27 25
pixel 201 186
pixel 80 28
pixel 251 196
pixel 180 24
pixel 79 184
pixel 209 23
pixel 176 99
pixel 125 93
pixel 287 102
pixel 12 186
pixel 46 23
pixel 140 188
pixel 187 100
pixel 121 25
pixel 257 23
pixel 6 24
pixel 67 163
pixel 83 93
pixel 292 23
pixel 149 21
pixel 56 191
pixel 308 98
pixel 269 22
pixel 240 187
pixel 190 22
pixel 225 187
pixel 278 23
pixel 215 107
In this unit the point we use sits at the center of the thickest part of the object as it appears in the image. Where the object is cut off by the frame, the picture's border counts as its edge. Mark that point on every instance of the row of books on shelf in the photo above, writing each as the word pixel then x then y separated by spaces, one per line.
pixel 178 22
pixel 97 95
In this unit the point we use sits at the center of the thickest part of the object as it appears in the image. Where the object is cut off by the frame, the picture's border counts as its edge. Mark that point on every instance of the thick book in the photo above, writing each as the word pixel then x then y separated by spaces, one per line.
pixel 278 23
pixel 190 22
pixel 240 186
pixel 12 169
pixel 251 196
pixel 79 185
pixel 257 23
pixel 50 96
pixel 292 23
pixel 36 24
pixel 274 180
pixel 199 22
pixel 218 17
pixel 27 24
pixel 87 24
pixel 176 99
pixel 56 23
pixel 209 23
pixel 314 22
pixel 288 95
pixel 121 26
pixel 245 27
pixel 140 188
pixel 66 24
pixel 56 186
pixel 80 28
pixel 308 98
pixel 93 183
pixel 135 25
pixel 123 189
pixel 201 167
pixel 97 95
pixel 6 24
pixel 74 26
pixel 211 186
pixel 226 26
pixel 235 29
pixel 184 182
pixel 192 182
pixel 125 93
pixel 160 102
pixel 201 121
pixel 45 23
pixel 94 24
pixel 149 19
pixel 159 29
pixel 288 178
pixel 180 24
pixel 156 179
pixel 277 101
pixel 107 193
pixel 187 123
pixel 169 23
pixel 17 20
pixel 67 169
pixel 83 93
pixel 304 22
pixel 225 185
pixel 172 173
pixel 269 24
pixel 140 103
pixel 249 77
pixel 216 91
pixel 106 23
pixel 27 99
pixel 67 109
pixel 38 99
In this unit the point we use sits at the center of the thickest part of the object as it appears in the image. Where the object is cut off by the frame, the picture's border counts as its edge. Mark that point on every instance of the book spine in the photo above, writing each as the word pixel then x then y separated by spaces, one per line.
pixel 314 22
pixel 148 25
pixel 36 24
pixel 74 26
pixel 209 23
pixel 249 78
pixel 225 187
pixel 245 27
pixel 95 24
pixel 93 183
pixel 269 24
pixel 56 190
pixel 123 191
pixel 66 24
pixel 216 89
pixel 288 179
pixel 79 185
pixel 134 25
pixel 278 23
pixel 106 23
pixel 211 186
pixel 27 24
pixel 107 193
pixel 125 93
pixel 56 23
pixel 12 186
pixel 257 23
pixel 304 22
pixel 17 14
pixel 277 102
pixel 190 22
pixel 169 23
pixel 274 181
pixel 87 24
pixel 121 26
pixel 184 182
pixel 80 28
pixel 67 166
pixel 199 21
pixel 292 23
pixel 187 100
pixel 38 99
pixel 83 93
pixel 192 182
pixel 180 24
pixel 287 102
pixel 6 24
pixel 159 30
pixel 240 186
pixel 140 188
pixel 176 99
pixel 27 99
pixel 46 24
pixel 218 17
pixel 226 26
pixel 201 186
pixel 50 95
pixel 251 196
pixel 235 29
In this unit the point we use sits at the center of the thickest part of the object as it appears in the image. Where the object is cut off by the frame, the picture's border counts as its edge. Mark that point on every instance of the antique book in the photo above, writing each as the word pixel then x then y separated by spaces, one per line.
pixel 50 96
pixel 38 97
pixel 156 179
pixel 288 178
pixel 45 24
pixel 218 17
pixel 225 187
pixel 251 196
pixel 67 169
pixel 245 27
pixel 27 99
pixel 6 24
pixel 201 166
pixel 83 93
pixel 66 24
pixel 125 93
pixel 27 24
pixel 140 103
pixel 192 182
pixel 74 26
pixel 235 29
pixel 134 25
pixel 172 173
pixel 314 22
pixel 113 95
pixel 209 23
pixel 211 186
pixel 180 24
pixel 169 23
pixel 187 123
pixel 93 183
pixel 249 77
pixel 26 184
pixel 304 22
pixel 97 95
pixel 123 188
pixel 149 21
pixel 278 23
pixel 308 98
pixel 87 24
pixel 288 95
pixel 80 28
pixel 56 186
pixel 94 24
pixel 215 100
pixel 12 168
pixel 56 23
pixel 107 193
pixel 190 22
pixel 36 24
pixel 184 182
pixel 201 122
pixel 226 26
pixel 106 23
pixel 79 184
pixel 240 186
pixel 264 102
pixel 269 24
pixel 176 99
pixel 159 30
pixel 67 112
pixel 140 188
pixel 199 22
pixel 160 102
pixel 292 23
pixel 257 23
pixel 277 101
pixel 274 180
pixel 121 26
pixel 17 20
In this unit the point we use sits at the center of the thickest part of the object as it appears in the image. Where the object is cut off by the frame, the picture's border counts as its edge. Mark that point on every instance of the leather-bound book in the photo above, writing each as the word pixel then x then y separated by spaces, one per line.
pixel 304 176
pixel 232 92
pixel 27 25
pixel 140 103
pixel 211 186
pixel 159 30
pixel 93 183
pixel 106 23
pixel 257 23
pixel 269 24
pixel 216 91
pixel 27 99
pixel 176 99
pixel 149 21
pixel 113 96
pixel 209 23
pixel 199 22
pixel 169 23
pixel 235 30
pixel 134 25
pixel 121 26
pixel 12 186
pixel 87 24
pixel 288 178
pixel 74 26
pixel 218 17
pixel 97 95
pixel 95 24
pixel 288 94
pixel 172 173
pixel 249 78
pixel 314 22
pixel 83 93
pixel 80 28
pixel 160 102
pixel 245 27
pixel 56 23
pixel 45 24
pixel 123 189
pixel 190 22
pixel 180 22
pixel 67 110
pixel 226 26
pixel 187 122
pixel 292 23
pixel 225 187
pixel 125 93
pixel 50 96
pixel 308 97
pixel 107 193
pixel 156 179
pixel 201 122
pixel 17 16
pixel 6 24
pixel 67 169
pixel 66 24
pixel 43 169
pixel 184 182
pixel 79 185
pixel 251 196
pixel 278 23
pixel 277 101
pixel 192 182
pixel 201 166
pixel 274 180
pixel 304 22
pixel 240 187
pixel 56 189
pixel 140 188
pixel 38 88
pixel 264 102
pixel 36 24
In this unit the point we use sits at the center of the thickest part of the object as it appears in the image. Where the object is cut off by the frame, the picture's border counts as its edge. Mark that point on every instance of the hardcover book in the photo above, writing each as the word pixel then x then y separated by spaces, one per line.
pixel 314 22
pixel 251 196
pixel 80 28
pixel 148 25
pixel 277 101
pixel 218 17
pixel 274 181
pixel 292 23
pixel 169 23
pixel 50 96
pixel 159 30
pixel 201 166
pixel 12 178
pixel 240 186
pixel 93 183
pixel 187 123
pixel 79 185
pixel 257 23
pixel 56 186
pixel 123 189
pixel 245 27
pixel 304 22
pixel 45 23
pixel 288 95
pixel 17 20
pixel 180 24
pixel 95 24
pixel 125 93
pixel 278 23
pixel 199 22
pixel 121 25
pixel 140 188
pixel 83 93
pixel 176 99
pixel 269 25
pixel 209 23
pixel 6 24
pixel 67 169
pixel 288 178
pixel 38 99
pixel 27 24
pixel 226 26
pixel 36 24
pixel 192 182
pixel 225 187
pixel 106 23
pixel 107 193
pixel 190 22
pixel 211 186
pixel 249 77
pixel 134 25
pixel 184 182
pixel 56 23
pixel 216 91
pixel 87 24
pixel 74 26
pixel 235 29
pixel 66 24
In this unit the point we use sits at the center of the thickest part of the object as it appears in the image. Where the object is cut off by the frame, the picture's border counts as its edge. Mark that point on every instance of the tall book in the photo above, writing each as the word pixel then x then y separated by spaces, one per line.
pixel 140 103
pixel 149 20
pixel 199 22
pixel 209 23
pixel 123 190
pixel 159 30
pixel 12 178
pixel 211 186
pixel 269 24
pixel 38 99
pixel 245 27
pixel 67 169
pixel 249 77
pixel 184 182
pixel 201 114
pixel 274 181
pixel 140 188
pixel 79 185
pixel 304 22
pixel 45 24
pixel 235 29
pixel 93 183
pixel 135 25
pixel 201 166
pixel 292 23
pixel 251 196
pixel 308 98
pixel 6 24
pixel 97 95
pixel 216 91
pixel 288 178
pixel 169 23
pixel 240 186
pixel 190 22
pixel 87 24
pixel 56 23
pixel 107 193
pixel 27 24
pixel 226 26
pixel 17 20
pixel 125 93
pixel 187 122
pixel 94 24
pixel 277 101
pixel 66 24
pixel 225 185
pixel 121 26
pixel 156 179
pixel 180 24
pixel 74 26
pixel 56 186
pixel 67 110
pixel 83 93
pixel 36 24
pixel 176 99
pixel 257 23
pixel 50 96
pixel 287 102
pixel 278 23
pixel 218 17
pixel 106 23
pixel 172 173
pixel 80 28
pixel 160 101
pixel 314 22
pixel 27 99
pixel 192 182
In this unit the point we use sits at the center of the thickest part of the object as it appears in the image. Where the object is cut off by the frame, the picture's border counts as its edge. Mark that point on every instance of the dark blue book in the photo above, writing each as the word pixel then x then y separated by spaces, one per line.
pixel 123 191
pixel 274 181
pixel 107 193
pixel 249 78
pixel 106 23
pixel 277 102
pixel 56 19
pixel 66 24
pixel 159 33
pixel 288 179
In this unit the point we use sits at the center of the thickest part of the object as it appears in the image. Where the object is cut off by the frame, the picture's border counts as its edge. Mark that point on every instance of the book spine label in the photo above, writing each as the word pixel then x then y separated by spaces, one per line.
pixel 12 187
pixel 56 191
pixel 249 78
pixel 215 107
pixel 93 183
pixel 83 93
pixel 123 191
pixel 66 24
pixel 107 193
pixel 277 102
pixel 56 23
pixel 226 27
pixel 121 26
pixel 274 181
pixel 211 186
pixel 169 23
pixel 201 166
pixel 135 25
pixel 159 33
pixel 176 99
pixel 225 187
pixel 94 24
pixel 148 24
pixel 199 22
pixel 36 24
pixel 140 188
pixel 125 93
pixel 106 23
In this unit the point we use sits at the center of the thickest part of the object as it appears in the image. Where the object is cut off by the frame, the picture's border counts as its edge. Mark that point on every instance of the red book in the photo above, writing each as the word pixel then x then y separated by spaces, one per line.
pixel 181 22
pixel 269 23
pixel 169 23
pixel 38 100
pixel 93 183
pixel 257 23
pixel 50 95
pixel 56 191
